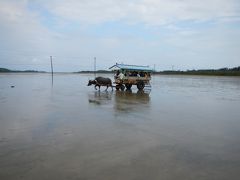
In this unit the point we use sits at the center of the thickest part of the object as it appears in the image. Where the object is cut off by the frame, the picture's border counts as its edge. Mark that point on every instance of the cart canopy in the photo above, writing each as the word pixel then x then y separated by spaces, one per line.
pixel 131 67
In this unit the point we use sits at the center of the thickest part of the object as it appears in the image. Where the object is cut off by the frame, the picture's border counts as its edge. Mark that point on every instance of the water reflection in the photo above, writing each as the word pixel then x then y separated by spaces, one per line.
pixel 100 98
pixel 127 101
pixel 122 101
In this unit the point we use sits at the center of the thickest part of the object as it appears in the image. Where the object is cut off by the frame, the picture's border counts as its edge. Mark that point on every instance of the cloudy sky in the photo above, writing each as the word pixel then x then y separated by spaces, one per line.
pixel 178 34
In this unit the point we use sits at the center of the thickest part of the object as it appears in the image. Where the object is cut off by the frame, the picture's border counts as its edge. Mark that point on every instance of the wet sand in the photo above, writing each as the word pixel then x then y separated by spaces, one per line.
pixel 185 128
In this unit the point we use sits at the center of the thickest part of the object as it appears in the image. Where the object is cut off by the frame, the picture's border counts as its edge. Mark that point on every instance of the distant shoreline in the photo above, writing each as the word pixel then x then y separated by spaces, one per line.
pixel 205 72
pixel 5 70
pixel 201 72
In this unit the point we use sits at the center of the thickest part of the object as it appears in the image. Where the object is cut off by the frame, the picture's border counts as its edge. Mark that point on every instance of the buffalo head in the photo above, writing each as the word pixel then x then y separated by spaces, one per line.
pixel 90 82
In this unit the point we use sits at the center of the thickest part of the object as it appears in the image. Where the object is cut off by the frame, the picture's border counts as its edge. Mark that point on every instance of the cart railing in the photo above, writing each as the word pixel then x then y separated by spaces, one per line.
pixel 132 80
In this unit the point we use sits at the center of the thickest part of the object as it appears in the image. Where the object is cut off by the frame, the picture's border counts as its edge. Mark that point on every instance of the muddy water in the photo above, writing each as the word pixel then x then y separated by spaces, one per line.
pixel 185 127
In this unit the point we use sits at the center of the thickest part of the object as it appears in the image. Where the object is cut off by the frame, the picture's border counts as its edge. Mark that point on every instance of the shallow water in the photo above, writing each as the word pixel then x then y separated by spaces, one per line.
pixel 185 127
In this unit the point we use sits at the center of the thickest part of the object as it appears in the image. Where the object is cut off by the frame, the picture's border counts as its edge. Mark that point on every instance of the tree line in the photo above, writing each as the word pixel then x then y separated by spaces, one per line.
pixel 217 72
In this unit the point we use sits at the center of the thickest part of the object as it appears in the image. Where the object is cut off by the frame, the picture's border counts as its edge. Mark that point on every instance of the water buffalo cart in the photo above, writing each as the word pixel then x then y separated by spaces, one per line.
pixel 128 75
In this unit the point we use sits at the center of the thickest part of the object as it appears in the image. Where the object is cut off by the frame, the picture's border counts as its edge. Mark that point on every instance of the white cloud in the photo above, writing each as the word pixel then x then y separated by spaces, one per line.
pixel 153 12
pixel 12 11
pixel 20 23
pixel 161 12
pixel 22 35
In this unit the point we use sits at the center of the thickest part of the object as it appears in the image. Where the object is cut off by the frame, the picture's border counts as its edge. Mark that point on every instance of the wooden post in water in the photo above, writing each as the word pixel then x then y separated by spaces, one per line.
pixel 95 67
pixel 51 68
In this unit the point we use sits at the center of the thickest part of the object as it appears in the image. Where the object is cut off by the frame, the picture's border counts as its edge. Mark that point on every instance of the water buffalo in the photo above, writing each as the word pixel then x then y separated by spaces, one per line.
pixel 101 81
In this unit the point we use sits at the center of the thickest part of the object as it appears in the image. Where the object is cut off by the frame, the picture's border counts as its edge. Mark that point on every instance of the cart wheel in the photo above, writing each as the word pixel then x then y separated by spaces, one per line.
pixel 140 85
pixel 128 86
pixel 122 87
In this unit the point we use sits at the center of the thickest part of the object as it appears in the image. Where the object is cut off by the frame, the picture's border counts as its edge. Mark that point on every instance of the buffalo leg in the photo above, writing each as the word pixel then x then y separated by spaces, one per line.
pixel 98 87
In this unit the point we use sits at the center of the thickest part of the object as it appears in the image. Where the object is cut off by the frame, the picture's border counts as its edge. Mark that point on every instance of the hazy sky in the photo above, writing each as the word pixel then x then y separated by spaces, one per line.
pixel 183 34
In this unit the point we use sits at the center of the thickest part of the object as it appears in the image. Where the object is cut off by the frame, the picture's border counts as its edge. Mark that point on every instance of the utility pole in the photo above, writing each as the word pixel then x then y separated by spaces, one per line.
pixel 95 66
pixel 51 68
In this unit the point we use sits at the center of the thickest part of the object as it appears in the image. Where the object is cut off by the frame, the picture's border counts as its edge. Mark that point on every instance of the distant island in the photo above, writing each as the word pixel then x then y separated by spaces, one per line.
pixel 209 72
pixel 5 70
pixel 99 71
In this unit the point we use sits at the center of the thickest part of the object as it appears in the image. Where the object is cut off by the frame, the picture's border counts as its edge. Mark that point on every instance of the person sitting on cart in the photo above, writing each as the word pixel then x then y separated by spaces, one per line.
pixel 117 74
pixel 138 74
pixel 121 76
